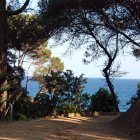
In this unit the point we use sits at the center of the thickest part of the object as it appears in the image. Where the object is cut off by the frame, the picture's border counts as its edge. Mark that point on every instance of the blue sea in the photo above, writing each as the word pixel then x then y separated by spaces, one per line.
pixel 125 89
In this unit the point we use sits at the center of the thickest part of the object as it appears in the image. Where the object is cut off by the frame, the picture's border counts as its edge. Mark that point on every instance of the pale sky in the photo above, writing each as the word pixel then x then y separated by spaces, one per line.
pixel 74 62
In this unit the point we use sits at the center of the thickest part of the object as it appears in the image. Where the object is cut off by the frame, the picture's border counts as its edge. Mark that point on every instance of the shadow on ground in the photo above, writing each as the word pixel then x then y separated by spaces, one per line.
pixel 84 128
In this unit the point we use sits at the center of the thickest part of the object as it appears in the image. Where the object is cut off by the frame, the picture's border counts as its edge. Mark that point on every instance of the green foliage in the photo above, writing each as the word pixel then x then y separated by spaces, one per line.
pixel 135 97
pixel 22 32
pixel 22 104
pixel 86 23
pixel 136 53
pixel 55 83
pixel 85 101
pixel 25 30
pixel 71 99
pixel 45 63
pixel 56 64
pixel 20 116
pixel 102 101
pixel 26 35
pixel 43 105
pixel 61 94
pixel 65 109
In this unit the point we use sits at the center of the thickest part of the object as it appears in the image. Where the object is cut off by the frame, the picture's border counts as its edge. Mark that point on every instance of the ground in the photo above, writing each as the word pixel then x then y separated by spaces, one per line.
pixel 83 128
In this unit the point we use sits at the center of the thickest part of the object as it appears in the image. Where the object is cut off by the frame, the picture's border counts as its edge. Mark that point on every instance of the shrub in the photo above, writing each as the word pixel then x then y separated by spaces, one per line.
pixel 65 109
pixel 102 101
pixel 20 116
pixel 135 97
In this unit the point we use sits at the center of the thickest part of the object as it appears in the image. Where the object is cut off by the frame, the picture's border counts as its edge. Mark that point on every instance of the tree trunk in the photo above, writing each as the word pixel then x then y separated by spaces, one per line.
pixel 3 55
pixel 27 78
pixel 11 111
pixel 3 48
pixel 111 88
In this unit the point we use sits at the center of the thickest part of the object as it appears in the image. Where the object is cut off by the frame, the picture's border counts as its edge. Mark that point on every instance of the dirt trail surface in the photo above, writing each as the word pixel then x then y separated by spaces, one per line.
pixel 83 128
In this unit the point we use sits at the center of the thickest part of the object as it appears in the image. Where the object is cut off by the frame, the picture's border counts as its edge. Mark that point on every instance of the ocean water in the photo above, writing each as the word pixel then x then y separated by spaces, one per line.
pixel 124 88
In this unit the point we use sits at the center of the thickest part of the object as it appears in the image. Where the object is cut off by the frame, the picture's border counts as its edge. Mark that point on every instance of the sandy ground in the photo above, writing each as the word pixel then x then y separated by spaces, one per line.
pixel 83 128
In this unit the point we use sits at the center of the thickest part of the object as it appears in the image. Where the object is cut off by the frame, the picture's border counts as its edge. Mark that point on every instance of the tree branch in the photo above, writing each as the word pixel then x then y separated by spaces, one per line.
pixel 20 10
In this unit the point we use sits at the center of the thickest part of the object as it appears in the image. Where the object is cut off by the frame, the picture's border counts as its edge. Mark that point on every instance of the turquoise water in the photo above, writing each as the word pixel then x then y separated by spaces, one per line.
pixel 125 89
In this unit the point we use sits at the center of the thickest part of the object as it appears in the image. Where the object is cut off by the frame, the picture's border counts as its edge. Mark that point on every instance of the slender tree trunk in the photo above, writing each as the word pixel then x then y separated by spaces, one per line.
pixel 41 88
pixel 3 55
pixel 27 77
pixel 11 111
pixel 3 48
pixel 111 88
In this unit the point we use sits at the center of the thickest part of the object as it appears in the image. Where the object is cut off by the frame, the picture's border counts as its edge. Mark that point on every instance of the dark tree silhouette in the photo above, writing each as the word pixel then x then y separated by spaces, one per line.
pixel 4 13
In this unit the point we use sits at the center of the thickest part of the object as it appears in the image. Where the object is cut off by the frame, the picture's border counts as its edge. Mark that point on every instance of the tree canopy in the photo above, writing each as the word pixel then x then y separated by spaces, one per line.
pixel 113 15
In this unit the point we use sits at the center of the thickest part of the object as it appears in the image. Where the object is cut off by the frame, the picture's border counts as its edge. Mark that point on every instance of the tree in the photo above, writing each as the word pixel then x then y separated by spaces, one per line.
pixel 25 34
pixel 70 92
pixel 136 53
pixel 55 85
pixel 22 105
pixel 85 24
pixel 125 21
pixel 40 59
pixel 122 17
pixel 62 93
pixel 45 63
pixel 72 98
pixel 135 97
pixel 4 12
pixel 85 101
pixel 43 105
pixel 102 101
pixel 79 86
pixel 107 47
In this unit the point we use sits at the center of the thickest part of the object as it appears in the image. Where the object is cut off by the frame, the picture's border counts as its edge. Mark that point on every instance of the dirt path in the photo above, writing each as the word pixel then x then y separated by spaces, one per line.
pixel 97 128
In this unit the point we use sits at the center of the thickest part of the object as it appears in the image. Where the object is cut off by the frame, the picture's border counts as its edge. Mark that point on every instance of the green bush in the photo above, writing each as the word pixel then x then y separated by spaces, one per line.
pixel 135 97
pixel 102 101
pixel 20 116
pixel 65 109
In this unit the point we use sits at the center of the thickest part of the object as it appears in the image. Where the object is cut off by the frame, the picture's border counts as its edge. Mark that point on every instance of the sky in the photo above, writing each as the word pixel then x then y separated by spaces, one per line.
pixel 74 61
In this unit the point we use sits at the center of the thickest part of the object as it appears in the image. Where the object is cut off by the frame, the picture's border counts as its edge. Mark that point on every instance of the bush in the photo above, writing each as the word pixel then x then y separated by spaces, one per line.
pixel 20 116
pixel 135 97
pixel 65 109
pixel 102 101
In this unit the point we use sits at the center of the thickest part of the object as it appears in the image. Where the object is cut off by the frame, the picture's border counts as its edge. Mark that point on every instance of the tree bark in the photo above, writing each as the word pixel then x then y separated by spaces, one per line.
pixel 3 55
pixel 20 10
pixel 111 88
pixel 3 50
pixel 108 66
